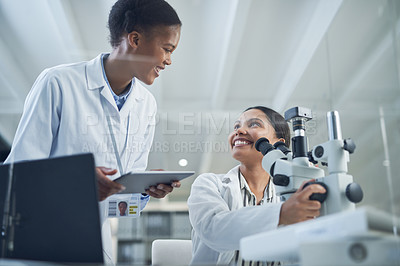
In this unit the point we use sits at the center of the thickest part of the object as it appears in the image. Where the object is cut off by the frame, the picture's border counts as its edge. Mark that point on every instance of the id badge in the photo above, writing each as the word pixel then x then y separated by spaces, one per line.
pixel 124 205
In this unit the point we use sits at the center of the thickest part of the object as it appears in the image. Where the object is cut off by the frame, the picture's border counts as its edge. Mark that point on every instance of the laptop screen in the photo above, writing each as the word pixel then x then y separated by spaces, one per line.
pixel 54 208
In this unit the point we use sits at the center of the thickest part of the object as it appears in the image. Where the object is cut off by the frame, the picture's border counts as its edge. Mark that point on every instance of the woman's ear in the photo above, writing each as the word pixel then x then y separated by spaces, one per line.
pixel 133 39
pixel 276 140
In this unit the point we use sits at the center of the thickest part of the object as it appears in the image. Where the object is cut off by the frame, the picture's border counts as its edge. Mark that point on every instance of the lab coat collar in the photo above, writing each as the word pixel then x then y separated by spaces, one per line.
pixel 95 80
pixel 94 74
pixel 136 96
pixel 231 178
pixel 231 192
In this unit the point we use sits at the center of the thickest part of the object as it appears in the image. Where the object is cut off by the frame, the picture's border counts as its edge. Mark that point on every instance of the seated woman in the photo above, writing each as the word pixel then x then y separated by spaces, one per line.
pixel 223 208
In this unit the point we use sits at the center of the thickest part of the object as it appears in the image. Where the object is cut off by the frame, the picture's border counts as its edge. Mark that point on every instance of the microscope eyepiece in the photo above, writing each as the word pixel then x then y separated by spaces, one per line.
pixel 280 145
pixel 263 146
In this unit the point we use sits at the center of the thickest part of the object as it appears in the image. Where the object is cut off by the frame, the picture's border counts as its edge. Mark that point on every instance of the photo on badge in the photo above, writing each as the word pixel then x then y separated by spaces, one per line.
pixel 124 206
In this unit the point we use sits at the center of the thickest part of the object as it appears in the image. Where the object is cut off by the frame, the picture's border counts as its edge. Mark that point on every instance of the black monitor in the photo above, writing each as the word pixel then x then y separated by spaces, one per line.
pixel 54 210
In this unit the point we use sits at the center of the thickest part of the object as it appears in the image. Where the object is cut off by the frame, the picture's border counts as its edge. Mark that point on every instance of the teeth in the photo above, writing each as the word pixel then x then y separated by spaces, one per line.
pixel 241 142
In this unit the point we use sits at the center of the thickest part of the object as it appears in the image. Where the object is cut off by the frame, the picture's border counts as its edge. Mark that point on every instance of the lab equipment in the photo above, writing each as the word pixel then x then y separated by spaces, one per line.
pixel 343 235
pixel 289 169
pixel 359 237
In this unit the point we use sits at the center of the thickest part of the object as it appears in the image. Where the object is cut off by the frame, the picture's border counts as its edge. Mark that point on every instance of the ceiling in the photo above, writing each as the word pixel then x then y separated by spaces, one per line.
pixel 325 55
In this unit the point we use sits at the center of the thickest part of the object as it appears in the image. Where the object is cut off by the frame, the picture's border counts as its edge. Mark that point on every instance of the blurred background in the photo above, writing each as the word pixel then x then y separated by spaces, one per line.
pixel 325 55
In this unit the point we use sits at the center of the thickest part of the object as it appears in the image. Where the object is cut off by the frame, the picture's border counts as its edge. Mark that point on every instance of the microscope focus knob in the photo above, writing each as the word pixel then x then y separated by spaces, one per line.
pixel 354 192
pixel 319 151
pixel 321 197
pixel 349 145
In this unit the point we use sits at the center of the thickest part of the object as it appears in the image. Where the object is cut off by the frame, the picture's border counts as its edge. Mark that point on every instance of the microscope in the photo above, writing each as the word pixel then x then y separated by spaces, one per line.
pixel 344 235
pixel 289 169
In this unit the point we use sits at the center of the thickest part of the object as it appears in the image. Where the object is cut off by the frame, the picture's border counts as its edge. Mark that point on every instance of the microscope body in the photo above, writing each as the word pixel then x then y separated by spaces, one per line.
pixel 290 169
pixel 344 236
pixel 289 173
pixel 343 192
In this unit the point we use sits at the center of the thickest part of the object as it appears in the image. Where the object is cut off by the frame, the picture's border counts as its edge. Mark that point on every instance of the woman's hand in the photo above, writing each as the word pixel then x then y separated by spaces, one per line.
pixel 299 207
pixel 162 189
pixel 106 187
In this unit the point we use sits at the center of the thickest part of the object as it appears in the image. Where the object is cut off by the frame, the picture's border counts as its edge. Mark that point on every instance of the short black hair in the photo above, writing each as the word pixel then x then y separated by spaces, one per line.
pixel 139 15
pixel 277 121
pixel 122 202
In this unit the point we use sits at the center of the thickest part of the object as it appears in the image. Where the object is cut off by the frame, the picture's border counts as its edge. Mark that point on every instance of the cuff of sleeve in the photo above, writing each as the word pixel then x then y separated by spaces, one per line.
pixel 144 196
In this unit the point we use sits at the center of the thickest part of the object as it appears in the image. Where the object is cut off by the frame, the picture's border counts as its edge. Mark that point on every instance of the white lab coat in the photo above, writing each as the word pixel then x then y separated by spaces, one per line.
pixel 63 115
pixel 219 219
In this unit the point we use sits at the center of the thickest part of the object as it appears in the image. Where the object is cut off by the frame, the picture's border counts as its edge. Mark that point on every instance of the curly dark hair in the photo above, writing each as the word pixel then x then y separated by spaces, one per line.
pixel 139 15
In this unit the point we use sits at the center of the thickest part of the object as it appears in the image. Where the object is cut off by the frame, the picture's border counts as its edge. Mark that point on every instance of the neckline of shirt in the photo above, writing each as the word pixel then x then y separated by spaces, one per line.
pixel 243 185
pixel 124 95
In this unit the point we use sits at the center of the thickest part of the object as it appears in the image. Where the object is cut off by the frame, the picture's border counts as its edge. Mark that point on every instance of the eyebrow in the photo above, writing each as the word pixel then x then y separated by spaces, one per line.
pixel 255 119
pixel 250 120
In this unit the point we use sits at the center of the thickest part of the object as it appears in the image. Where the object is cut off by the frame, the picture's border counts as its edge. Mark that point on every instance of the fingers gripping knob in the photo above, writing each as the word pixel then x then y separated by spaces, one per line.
pixel 321 197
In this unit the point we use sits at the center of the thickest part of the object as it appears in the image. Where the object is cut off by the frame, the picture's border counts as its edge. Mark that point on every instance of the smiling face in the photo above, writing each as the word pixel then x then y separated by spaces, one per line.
pixel 251 125
pixel 154 52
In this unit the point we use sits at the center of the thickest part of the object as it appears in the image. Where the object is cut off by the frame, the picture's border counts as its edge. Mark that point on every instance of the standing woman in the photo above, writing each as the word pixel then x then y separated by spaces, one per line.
pixel 100 106
pixel 223 208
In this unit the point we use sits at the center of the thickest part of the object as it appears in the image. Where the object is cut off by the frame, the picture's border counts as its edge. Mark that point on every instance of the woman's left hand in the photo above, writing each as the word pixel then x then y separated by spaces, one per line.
pixel 162 189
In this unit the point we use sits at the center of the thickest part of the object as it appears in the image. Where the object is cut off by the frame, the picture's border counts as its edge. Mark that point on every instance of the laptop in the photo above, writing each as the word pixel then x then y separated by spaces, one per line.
pixel 54 208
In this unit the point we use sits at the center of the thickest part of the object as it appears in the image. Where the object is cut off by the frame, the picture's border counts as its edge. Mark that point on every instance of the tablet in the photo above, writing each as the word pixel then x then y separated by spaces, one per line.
pixel 138 182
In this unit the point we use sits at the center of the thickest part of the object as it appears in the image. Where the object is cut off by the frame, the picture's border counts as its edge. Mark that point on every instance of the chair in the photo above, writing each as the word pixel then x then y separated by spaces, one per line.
pixel 171 252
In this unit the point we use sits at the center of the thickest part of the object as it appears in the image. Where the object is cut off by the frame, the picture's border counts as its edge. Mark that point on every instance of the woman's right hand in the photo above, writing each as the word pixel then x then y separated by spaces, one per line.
pixel 106 187
pixel 299 207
